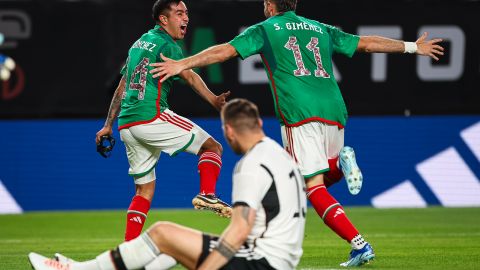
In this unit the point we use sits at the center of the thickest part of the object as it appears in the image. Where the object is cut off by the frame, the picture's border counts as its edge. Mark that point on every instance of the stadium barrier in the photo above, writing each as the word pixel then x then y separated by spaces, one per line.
pixel 406 161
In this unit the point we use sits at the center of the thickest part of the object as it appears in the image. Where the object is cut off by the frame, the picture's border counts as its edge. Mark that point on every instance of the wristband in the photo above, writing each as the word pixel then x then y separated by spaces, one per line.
pixel 410 47
pixel 225 249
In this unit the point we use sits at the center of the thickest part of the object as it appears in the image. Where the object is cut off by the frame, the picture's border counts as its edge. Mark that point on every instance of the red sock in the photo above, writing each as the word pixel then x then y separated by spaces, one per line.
pixel 334 175
pixel 136 216
pixel 331 212
pixel 209 165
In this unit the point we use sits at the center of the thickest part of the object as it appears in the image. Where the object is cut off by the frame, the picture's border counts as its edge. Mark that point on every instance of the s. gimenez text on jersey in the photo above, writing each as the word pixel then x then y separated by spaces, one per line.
pixel 298 26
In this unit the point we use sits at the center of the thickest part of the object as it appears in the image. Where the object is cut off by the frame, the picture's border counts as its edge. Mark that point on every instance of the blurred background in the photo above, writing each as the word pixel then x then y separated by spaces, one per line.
pixel 414 122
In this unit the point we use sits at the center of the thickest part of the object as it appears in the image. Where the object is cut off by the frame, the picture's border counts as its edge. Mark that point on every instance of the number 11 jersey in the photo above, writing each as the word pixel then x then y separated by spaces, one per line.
pixel 297 56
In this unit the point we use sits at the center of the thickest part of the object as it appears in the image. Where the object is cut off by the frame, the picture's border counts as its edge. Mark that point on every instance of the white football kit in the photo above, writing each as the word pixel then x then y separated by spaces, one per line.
pixel 268 180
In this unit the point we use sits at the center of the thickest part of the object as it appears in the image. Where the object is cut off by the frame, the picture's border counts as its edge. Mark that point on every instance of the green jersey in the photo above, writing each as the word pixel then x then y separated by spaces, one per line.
pixel 145 97
pixel 297 56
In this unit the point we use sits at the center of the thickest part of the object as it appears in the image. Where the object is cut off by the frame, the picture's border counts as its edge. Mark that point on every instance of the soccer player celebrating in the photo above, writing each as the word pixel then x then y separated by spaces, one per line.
pixel 268 220
pixel 147 125
pixel 296 53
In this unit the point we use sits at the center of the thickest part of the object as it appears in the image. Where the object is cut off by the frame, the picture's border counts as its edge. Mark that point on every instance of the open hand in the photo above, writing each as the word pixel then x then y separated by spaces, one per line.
pixel 165 69
pixel 429 47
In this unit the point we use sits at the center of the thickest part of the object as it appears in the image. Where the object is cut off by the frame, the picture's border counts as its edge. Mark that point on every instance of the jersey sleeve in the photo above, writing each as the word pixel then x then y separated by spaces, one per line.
pixel 250 188
pixel 343 43
pixel 249 42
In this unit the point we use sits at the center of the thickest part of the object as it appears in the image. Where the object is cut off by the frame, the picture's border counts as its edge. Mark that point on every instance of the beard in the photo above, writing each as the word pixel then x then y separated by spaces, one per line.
pixel 235 147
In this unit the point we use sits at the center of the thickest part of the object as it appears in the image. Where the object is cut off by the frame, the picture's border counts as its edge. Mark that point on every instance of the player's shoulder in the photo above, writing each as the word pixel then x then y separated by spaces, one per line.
pixel 275 153
pixel 267 157
pixel 307 19
pixel 269 146
pixel 169 48
pixel 263 152
pixel 158 36
pixel 264 148
pixel 149 40
pixel 270 20
pixel 311 21
pixel 253 157
pixel 327 26
pixel 256 27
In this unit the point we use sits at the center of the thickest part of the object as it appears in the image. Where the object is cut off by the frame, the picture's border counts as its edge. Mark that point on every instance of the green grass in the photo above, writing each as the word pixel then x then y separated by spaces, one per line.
pixel 432 238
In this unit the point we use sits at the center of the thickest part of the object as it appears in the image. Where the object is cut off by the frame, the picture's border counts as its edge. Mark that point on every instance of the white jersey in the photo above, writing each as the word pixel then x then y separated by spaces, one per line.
pixel 268 180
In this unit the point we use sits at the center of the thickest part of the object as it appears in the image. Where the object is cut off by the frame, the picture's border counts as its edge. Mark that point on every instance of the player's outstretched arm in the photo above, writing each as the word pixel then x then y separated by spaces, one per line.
pixel 198 85
pixel 112 111
pixel 243 218
pixel 378 44
pixel 212 55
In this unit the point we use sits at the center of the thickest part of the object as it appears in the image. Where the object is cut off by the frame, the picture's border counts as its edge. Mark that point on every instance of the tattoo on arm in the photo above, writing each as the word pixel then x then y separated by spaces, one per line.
pixel 115 104
pixel 225 249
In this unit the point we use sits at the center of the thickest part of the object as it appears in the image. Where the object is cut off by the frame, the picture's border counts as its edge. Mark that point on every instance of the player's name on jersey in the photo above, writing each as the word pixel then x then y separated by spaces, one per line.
pixel 144 45
pixel 298 26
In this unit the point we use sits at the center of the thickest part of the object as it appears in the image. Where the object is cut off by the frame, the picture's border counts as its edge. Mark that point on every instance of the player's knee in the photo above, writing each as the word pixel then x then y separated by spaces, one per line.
pixel 329 181
pixel 314 180
pixel 219 148
pixel 160 230
pixel 146 190
pixel 212 146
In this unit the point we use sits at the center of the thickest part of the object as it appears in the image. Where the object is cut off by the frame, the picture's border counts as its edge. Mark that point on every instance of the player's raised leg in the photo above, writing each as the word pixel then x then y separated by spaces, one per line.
pixel 209 166
pixel 335 174
pixel 209 152
pixel 353 174
pixel 345 164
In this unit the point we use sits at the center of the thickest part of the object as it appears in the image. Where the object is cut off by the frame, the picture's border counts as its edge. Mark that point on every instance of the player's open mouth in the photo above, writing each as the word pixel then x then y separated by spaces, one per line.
pixel 183 29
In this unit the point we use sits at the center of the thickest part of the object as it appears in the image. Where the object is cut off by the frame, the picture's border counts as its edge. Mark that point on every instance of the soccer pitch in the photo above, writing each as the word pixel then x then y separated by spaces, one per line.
pixel 431 238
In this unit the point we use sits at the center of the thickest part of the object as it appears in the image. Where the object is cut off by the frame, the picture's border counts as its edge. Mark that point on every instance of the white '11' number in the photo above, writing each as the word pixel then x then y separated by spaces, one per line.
pixel 311 46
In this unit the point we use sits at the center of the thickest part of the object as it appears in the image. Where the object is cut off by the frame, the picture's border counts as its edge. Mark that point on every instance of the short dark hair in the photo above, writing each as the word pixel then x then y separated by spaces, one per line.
pixel 161 6
pixel 285 5
pixel 241 114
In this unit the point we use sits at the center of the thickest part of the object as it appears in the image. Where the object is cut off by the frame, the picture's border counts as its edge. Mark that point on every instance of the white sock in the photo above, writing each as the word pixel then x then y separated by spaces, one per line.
pixel 162 262
pixel 135 254
pixel 138 252
pixel 102 262
pixel 88 265
pixel 358 242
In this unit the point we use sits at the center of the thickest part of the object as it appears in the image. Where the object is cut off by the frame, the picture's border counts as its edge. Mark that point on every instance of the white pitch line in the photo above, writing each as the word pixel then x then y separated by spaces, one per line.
pixel 401 235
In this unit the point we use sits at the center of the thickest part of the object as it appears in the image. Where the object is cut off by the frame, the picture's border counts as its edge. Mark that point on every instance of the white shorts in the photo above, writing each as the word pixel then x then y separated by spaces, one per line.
pixel 312 145
pixel 170 133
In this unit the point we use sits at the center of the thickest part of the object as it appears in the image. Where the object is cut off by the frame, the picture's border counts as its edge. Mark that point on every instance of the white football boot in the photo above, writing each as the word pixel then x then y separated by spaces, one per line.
pixel 350 170
pixel 40 262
